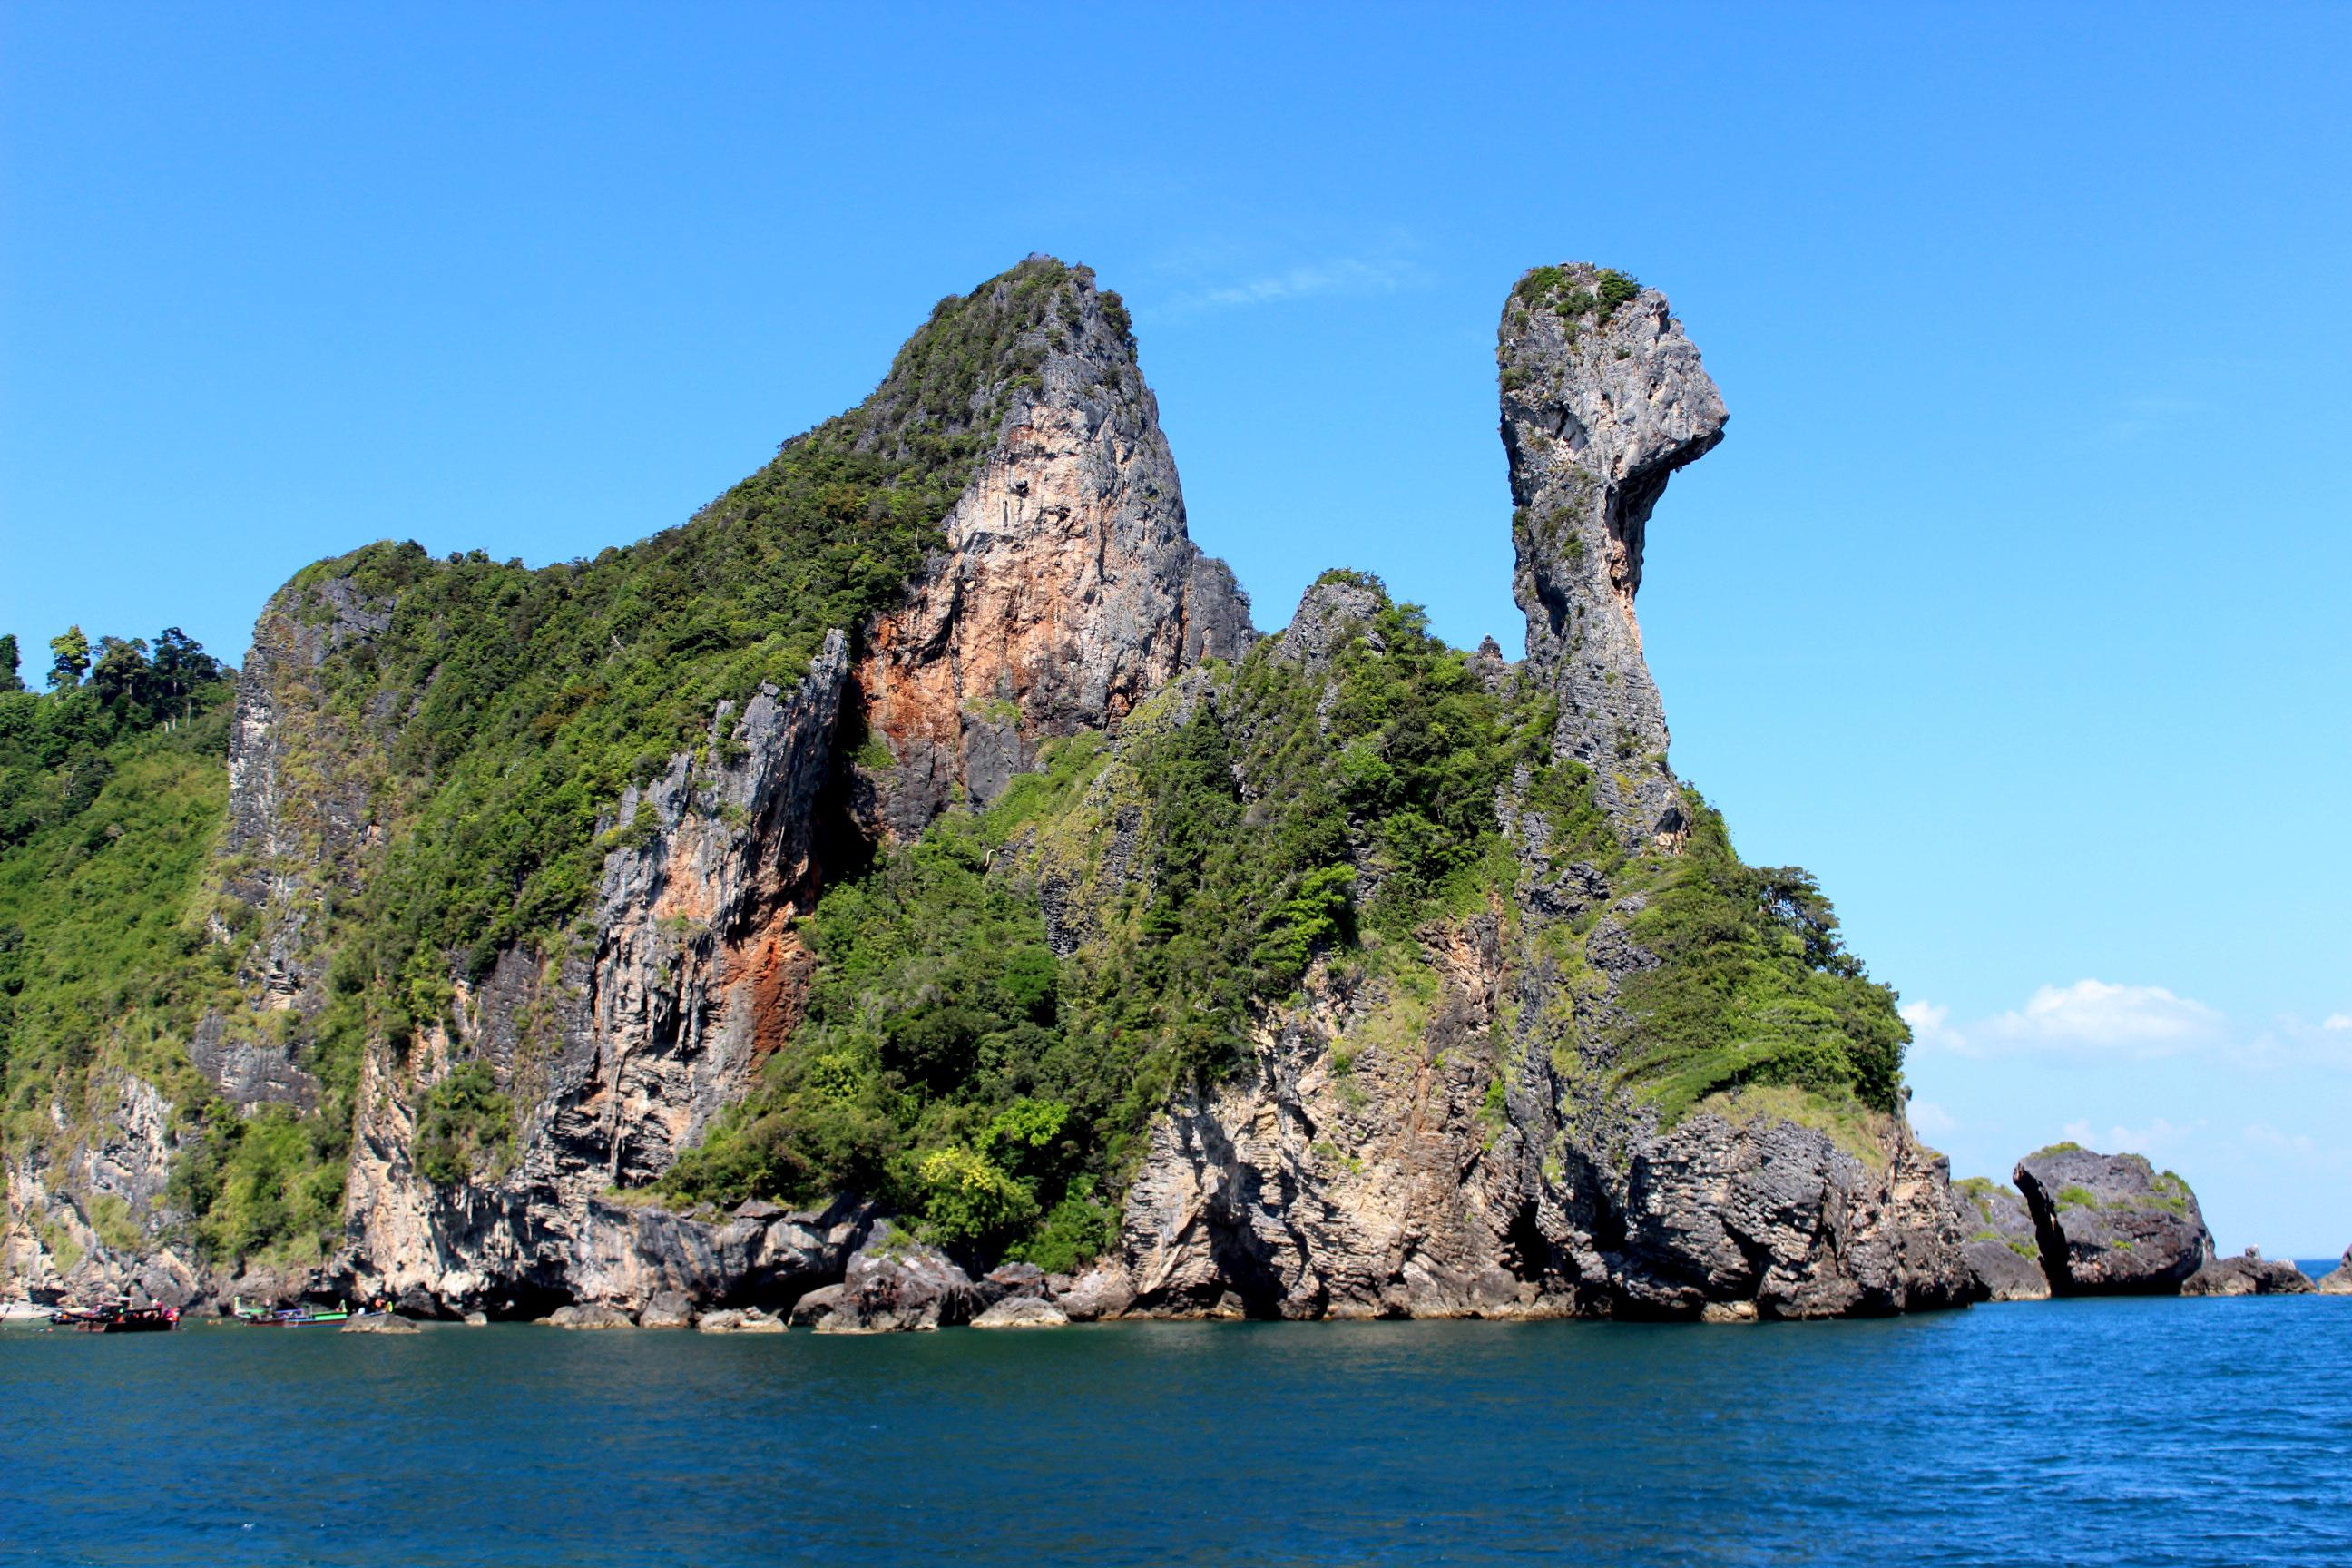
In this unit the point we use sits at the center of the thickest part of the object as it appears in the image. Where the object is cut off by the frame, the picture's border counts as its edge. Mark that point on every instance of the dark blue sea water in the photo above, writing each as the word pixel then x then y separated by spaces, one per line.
pixel 2075 1432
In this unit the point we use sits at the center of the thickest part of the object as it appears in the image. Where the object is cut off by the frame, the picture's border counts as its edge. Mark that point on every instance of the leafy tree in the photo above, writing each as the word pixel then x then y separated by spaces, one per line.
pixel 10 663
pixel 72 658
pixel 121 675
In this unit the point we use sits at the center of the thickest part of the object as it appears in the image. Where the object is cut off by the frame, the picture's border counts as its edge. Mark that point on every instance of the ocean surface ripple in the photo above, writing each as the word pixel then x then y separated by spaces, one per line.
pixel 2123 1432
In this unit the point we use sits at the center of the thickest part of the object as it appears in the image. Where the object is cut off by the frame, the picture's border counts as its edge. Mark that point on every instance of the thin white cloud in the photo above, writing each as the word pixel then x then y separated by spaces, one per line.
pixel 2148 1018
pixel 1358 277
pixel 1925 1018
pixel 2290 1044
pixel 2090 1017
pixel 2300 1150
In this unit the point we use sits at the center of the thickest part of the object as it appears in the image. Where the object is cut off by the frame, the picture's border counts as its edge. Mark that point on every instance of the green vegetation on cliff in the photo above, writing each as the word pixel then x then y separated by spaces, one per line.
pixel 951 1064
pixel 1753 987
pixel 112 794
pixel 939 1016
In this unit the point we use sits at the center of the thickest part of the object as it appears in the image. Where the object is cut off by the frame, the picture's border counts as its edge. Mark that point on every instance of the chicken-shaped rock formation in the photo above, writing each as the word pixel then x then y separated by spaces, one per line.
pixel 1603 398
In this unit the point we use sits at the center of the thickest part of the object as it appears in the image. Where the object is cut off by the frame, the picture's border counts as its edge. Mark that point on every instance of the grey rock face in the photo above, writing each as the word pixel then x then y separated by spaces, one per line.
pixel 1600 408
pixel 2111 1225
pixel 94 1219
pixel 1006 1281
pixel 1067 593
pixel 380 1324
pixel 2250 1274
pixel 1098 1293
pixel 250 1073
pixel 1328 614
pixel 1381 1159
pixel 301 809
pixel 740 1320
pixel 667 1309
pixel 2002 1250
pixel 616 1058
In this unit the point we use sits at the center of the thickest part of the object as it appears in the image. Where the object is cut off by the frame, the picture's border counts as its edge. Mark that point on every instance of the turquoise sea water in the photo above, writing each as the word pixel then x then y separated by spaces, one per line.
pixel 2141 1432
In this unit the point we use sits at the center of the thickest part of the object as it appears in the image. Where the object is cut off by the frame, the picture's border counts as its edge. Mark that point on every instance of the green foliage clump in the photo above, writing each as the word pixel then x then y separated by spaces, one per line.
pixel 1574 293
pixel 270 1184
pixel 1753 986
pixel 930 1069
pixel 466 1127
pixel 59 749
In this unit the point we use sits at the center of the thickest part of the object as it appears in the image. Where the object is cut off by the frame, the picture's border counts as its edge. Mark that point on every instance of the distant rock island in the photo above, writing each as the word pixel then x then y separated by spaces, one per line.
pixel 911 892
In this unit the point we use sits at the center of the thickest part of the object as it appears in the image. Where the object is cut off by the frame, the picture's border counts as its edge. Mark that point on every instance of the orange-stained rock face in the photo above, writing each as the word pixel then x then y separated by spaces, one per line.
pixel 1069 591
pixel 1064 592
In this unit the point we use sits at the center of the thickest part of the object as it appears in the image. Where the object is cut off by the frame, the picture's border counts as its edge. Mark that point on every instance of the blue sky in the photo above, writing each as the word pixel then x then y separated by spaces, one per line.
pixel 2014 604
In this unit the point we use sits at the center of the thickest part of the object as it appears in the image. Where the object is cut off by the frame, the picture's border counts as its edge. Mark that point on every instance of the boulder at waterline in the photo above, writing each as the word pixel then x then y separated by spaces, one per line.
pixel 894 1283
pixel 589 1315
pixel 1022 1312
pixel 2339 1282
pixel 667 1309
pixel 380 1323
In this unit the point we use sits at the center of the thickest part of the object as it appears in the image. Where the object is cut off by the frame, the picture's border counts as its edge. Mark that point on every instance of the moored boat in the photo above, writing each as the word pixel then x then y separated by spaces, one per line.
pixel 117 1318
pixel 294 1317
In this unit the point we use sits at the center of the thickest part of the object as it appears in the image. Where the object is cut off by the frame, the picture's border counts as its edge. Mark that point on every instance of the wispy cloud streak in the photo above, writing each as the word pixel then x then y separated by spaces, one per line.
pixel 1353 277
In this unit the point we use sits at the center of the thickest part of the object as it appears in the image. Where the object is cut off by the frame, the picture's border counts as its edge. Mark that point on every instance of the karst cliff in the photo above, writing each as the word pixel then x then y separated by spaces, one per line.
pixel 911 891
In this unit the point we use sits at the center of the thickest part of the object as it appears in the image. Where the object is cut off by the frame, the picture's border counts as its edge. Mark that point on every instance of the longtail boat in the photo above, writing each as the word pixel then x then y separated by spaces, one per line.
pixel 117 1318
pixel 295 1317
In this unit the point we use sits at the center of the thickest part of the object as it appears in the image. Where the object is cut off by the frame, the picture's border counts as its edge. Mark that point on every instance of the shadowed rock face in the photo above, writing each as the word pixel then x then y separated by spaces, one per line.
pixel 2111 1225
pixel 1601 403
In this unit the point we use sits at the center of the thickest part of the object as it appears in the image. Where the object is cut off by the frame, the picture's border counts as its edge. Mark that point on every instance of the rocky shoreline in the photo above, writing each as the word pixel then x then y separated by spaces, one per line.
pixel 2078 1223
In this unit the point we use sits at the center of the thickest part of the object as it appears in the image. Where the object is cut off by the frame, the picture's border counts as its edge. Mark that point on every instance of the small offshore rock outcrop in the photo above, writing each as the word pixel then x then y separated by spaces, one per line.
pixel 2249 1274
pixel 2112 1223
